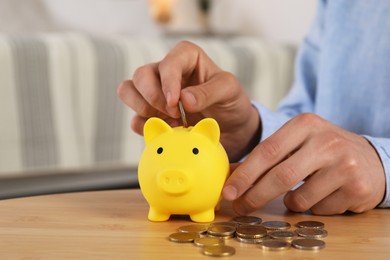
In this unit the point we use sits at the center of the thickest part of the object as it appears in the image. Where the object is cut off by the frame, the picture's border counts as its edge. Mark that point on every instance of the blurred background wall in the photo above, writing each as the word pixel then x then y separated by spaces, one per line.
pixel 62 126
pixel 277 20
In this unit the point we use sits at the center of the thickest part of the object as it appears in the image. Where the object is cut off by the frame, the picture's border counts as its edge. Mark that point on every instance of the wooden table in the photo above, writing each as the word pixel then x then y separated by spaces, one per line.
pixel 114 225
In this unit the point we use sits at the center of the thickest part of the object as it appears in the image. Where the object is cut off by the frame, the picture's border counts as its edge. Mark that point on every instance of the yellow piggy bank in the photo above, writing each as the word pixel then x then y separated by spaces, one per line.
pixel 182 170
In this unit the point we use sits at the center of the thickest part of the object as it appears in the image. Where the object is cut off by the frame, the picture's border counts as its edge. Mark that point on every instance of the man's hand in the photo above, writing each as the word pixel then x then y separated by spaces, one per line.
pixel 340 170
pixel 188 74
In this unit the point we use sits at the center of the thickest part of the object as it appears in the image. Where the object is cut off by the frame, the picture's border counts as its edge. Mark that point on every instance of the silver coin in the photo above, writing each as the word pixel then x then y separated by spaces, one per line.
pixel 183 114
pixel 283 234
pixel 310 224
pixel 308 244
pixel 247 220
pixel 276 225
pixel 311 232
pixel 252 240
pixel 275 245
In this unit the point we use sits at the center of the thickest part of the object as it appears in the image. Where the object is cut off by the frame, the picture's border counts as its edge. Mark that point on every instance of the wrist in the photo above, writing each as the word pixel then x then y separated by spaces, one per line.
pixel 247 138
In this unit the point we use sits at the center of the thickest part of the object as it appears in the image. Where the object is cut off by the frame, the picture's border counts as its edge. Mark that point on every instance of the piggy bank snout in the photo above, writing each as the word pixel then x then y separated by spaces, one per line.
pixel 173 182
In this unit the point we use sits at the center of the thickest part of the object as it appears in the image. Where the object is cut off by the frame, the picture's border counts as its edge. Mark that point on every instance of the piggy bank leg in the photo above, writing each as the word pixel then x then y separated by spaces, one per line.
pixel 157 215
pixel 205 216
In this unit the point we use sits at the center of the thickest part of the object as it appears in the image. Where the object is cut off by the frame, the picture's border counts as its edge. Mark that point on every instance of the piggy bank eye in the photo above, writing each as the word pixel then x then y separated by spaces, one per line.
pixel 160 150
pixel 195 150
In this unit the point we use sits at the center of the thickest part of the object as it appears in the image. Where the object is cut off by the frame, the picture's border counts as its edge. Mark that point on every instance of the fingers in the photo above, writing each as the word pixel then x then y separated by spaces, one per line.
pixel 186 64
pixel 281 178
pixel 320 185
pixel 146 81
pixel 131 97
pixel 265 156
pixel 222 88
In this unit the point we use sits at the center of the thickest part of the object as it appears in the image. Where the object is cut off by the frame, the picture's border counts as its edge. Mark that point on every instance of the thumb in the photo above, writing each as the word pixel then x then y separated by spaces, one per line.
pixel 222 88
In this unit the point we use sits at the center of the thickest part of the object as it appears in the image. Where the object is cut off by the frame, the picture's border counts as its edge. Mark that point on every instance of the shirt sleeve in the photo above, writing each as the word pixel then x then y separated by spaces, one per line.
pixel 301 97
pixel 382 146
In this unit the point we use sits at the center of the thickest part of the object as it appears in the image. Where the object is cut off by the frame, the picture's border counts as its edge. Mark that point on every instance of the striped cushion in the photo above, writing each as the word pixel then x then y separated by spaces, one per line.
pixel 59 108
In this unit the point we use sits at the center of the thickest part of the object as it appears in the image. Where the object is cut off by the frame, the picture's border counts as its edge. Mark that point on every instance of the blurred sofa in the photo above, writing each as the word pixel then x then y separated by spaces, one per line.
pixel 62 127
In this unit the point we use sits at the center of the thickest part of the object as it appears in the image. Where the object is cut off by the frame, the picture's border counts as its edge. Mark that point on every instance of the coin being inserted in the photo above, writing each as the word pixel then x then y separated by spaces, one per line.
pixel 183 115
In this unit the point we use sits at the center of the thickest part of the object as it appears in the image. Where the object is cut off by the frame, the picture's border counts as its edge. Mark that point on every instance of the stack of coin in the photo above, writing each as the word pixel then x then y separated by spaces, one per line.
pixel 221 231
pixel 251 234
pixel 247 220
pixel 310 232
pixel 270 235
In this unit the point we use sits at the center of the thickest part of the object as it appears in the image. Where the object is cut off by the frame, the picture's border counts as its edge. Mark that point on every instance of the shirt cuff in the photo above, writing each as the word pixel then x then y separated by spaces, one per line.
pixel 270 120
pixel 382 146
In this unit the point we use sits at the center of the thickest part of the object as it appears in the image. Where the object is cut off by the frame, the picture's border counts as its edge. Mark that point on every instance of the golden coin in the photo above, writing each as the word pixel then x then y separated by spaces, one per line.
pixel 275 245
pixel 181 237
pixel 252 240
pixel 247 220
pixel 183 114
pixel 312 232
pixel 220 230
pixel 251 231
pixel 209 241
pixel 276 225
pixel 222 237
pixel 283 234
pixel 308 244
pixel 218 250
pixel 195 228
pixel 225 223
pixel 310 224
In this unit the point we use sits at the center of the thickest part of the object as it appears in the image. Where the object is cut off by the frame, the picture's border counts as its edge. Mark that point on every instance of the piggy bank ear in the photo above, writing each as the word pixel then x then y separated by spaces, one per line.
pixel 155 127
pixel 209 128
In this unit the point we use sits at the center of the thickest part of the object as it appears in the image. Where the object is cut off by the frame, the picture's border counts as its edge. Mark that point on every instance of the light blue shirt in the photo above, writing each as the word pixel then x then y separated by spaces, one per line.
pixel 343 74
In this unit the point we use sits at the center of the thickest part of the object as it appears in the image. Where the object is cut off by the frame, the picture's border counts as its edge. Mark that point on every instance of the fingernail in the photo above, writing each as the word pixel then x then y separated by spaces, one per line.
pixel 189 97
pixel 230 192
pixel 168 96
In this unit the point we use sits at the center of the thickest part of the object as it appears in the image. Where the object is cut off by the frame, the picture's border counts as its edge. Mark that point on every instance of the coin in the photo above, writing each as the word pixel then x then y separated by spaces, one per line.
pixel 219 250
pixel 225 223
pixel 252 240
pixel 220 230
pixel 183 115
pixel 222 237
pixel 276 225
pixel 249 220
pixel 208 241
pixel 312 232
pixel 199 229
pixel 275 245
pixel 283 235
pixel 251 231
pixel 310 224
pixel 308 244
pixel 181 237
